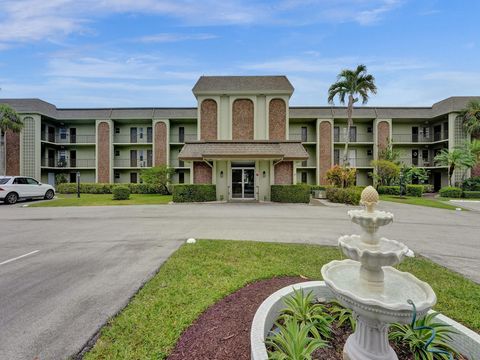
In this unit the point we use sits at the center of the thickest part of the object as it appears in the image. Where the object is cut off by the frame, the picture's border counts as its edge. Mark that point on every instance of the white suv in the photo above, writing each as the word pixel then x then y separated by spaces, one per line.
pixel 13 188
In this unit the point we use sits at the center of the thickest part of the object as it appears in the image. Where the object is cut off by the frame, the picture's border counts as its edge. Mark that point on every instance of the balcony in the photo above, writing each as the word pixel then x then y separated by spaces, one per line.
pixel 418 138
pixel 305 138
pixel 132 163
pixel 354 138
pixel 68 139
pixel 178 138
pixel 418 162
pixel 307 163
pixel 68 164
pixel 177 163
pixel 356 162
pixel 127 139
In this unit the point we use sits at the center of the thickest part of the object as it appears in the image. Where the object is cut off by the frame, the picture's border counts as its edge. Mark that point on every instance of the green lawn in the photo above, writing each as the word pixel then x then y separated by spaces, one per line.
pixel 198 275
pixel 441 203
pixel 102 200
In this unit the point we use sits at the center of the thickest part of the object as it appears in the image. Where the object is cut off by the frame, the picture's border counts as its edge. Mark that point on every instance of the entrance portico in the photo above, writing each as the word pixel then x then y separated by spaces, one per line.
pixel 243 170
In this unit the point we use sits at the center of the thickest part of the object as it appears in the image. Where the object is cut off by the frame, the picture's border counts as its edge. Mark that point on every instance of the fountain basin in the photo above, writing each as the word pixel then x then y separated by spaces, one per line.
pixel 388 302
pixel 385 253
pixel 370 219
pixel 465 340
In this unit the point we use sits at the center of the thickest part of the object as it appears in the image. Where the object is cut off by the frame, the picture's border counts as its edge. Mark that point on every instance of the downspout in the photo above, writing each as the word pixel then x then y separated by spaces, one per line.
pixel 279 161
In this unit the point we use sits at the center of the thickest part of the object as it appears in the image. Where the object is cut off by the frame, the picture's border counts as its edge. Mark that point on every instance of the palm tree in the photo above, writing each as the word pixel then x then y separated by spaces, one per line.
pixel 9 121
pixel 454 159
pixel 352 84
pixel 471 117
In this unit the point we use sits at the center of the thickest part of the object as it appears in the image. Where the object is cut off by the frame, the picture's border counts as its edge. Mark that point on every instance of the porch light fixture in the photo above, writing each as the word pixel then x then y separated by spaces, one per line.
pixel 264 173
pixel 221 174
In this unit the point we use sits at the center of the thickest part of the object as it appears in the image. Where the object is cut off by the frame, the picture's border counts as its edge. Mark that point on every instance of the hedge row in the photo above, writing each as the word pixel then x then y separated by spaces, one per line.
pixel 350 195
pixel 415 190
pixel 194 193
pixel 291 193
pixel 451 192
pixel 94 188
pixel 389 190
pixel 471 194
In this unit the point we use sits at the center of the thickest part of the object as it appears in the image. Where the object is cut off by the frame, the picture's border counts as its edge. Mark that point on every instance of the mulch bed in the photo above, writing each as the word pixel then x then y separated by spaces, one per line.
pixel 222 332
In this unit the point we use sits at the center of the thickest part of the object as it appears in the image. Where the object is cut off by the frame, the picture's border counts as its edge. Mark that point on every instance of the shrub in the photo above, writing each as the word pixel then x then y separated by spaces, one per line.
pixel 61 178
pixel 451 191
pixel 415 190
pixel 158 176
pixel 471 194
pixel 472 184
pixel 389 190
pixel 386 173
pixel 349 195
pixel 121 193
pixel 194 193
pixel 94 188
pixel 290 193
pixel 428 188
pixel 341 176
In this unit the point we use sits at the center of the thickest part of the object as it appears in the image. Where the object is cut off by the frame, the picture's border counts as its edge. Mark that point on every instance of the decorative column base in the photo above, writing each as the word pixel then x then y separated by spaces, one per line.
pixel 369 342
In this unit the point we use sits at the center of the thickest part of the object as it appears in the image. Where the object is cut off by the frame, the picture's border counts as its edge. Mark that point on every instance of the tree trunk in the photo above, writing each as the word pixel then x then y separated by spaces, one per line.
pixel 451 169
pixel 346 163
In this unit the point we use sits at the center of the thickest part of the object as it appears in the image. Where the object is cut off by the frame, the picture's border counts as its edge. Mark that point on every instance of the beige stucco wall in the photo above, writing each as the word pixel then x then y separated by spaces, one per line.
pixel 263 183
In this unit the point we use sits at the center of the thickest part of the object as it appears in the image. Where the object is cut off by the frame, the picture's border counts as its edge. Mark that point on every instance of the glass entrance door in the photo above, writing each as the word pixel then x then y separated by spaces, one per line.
pixel 243 183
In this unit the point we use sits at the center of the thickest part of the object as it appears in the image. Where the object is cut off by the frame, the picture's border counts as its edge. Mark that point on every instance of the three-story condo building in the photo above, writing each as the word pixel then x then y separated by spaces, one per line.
pixel 243 136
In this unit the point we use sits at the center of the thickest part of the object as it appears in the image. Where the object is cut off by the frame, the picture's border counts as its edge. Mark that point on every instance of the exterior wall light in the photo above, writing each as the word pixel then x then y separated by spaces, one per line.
pixel 221 174
pixel 264 173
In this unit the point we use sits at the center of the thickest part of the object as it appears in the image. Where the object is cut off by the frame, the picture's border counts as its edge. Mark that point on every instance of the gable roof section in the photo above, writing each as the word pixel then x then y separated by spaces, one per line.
pixel 243 84
pixel 209 150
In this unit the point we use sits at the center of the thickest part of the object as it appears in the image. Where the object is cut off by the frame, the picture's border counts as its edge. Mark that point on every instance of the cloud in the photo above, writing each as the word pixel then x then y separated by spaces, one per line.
pixel 169 37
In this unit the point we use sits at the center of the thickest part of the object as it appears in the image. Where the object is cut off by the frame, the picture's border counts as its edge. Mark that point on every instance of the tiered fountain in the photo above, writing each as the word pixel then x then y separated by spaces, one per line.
pixel 369 285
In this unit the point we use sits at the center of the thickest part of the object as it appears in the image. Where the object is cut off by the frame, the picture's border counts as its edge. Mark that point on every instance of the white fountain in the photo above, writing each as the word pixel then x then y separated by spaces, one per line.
pixel 371 287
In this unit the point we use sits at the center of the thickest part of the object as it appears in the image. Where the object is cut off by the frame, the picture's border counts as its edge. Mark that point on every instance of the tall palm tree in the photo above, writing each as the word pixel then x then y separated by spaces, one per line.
pixel 9 121
pixel 454 159
pixel 471 118
pixel 352 84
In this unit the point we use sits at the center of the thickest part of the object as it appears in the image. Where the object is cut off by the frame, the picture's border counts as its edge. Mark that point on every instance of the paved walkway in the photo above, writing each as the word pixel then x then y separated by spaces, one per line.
pixel 473 205
pixel 91 260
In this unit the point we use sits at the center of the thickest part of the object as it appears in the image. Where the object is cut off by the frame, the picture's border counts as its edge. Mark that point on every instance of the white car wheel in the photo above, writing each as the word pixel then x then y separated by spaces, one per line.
pixel 11 198
pixel 49 195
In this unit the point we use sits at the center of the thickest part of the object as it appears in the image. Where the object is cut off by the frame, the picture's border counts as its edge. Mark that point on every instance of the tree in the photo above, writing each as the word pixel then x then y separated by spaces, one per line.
pixel 471 118
pixel 341 177
pixel 386 172
pixel 158 176
pixel 9 121
pixel 389 153
pixel 352 84
pixel 457 158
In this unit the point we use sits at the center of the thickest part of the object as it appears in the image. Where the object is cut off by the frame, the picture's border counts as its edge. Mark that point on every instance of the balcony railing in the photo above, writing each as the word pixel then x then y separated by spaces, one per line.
pixel 178 138
pixel 127 139
pixel 420 138
pixel 177 163
pixel 356 162
pixel 68 139
pixel 130 163
pixel 72 163
pixel 307 163
pixel 418 162
pixel 359 137
pixel 302 137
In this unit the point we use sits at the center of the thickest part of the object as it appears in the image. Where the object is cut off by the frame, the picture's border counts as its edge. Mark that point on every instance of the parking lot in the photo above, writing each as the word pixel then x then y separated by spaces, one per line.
pixel 65 271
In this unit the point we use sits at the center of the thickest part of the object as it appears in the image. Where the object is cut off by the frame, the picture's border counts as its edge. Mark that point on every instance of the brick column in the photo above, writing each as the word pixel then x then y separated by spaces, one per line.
pixel 208 119
pixel 103 152
pixel 277 119
pixel 202 173
pixel 242 119
pixel 284 173
pixel 161 144
pixel 476 168
pixel 383 135
pixel 325 150
pixel 12 150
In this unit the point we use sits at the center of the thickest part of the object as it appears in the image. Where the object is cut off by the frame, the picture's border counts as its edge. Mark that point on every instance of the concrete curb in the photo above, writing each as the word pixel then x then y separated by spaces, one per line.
pixel 466 341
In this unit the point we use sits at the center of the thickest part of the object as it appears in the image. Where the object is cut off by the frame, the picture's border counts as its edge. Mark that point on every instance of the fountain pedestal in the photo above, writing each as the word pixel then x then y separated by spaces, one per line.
pixel 369 285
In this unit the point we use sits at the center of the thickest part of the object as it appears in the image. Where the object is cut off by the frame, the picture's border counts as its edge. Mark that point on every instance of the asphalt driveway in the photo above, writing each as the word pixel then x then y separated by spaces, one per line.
pixel 83 264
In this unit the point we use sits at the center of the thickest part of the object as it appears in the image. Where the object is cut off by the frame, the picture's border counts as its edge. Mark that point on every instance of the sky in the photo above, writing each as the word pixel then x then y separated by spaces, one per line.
pixel 135 53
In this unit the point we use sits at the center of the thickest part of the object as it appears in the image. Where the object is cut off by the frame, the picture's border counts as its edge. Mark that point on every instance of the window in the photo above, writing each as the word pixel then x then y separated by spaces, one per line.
pixel 4 180
pixel 369 152
pixel 304 134
pixel 425 154
pixel 304 177
pixel 181 177
pixel 117 130
pixel 117 152
pixel 133 177
pixel 140 154
pixel 20 181
pixel 63 133
pixel 117 175
pixel 73 177
pixel 336 156
pixel 31 181
pixel 140 133
pixel 336 134
pixel 369 130
pixel 181 134
pixel 62 155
